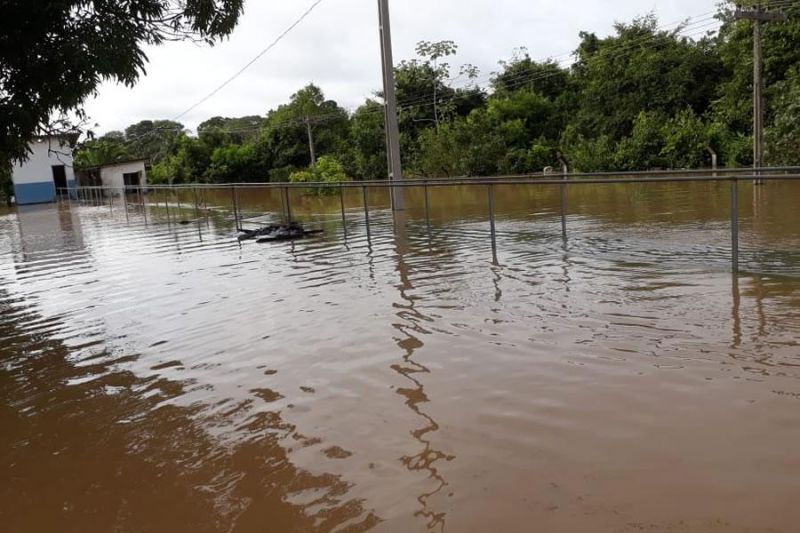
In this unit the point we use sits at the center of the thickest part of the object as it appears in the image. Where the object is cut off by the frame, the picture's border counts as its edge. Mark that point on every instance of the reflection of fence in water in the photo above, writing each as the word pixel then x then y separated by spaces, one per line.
pixel 176 198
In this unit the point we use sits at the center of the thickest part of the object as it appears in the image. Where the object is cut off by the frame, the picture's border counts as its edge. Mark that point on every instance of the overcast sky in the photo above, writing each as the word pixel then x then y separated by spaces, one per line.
pixel 337 48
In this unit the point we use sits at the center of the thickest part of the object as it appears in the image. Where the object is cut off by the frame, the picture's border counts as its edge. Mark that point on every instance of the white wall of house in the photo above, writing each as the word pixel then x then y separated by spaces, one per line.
pixel 33 178
pixel 39 166
pixel 114 175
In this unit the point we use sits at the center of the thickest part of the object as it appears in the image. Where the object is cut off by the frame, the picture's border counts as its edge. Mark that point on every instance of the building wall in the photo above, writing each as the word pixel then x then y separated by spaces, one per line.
pixel 113 176
pixel 33 179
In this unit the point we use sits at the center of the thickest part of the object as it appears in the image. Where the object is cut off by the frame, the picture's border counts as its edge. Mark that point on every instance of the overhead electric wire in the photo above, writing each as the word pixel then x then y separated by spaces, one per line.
pixel 532 76
pixel 250 63
pixel 697 24
pixel 680 24
pixel 238 73
pixel 425 101
pixel 529 77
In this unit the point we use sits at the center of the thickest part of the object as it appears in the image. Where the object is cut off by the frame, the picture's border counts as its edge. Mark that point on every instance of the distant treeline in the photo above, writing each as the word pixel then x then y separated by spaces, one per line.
pixel 646 97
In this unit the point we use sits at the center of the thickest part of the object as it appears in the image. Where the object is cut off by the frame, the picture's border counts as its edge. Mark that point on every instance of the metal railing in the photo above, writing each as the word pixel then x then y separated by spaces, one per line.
pixel 98 195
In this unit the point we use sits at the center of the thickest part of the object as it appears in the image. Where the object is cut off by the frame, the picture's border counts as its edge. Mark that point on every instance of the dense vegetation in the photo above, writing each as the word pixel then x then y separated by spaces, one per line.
pixel 641 98
pixel 55 53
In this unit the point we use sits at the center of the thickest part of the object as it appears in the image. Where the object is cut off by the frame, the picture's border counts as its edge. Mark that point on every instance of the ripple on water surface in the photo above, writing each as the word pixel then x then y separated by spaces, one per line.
pixel 164 377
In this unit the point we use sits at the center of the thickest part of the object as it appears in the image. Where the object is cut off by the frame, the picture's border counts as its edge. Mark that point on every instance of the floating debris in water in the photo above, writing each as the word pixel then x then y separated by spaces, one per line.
pixel 277 232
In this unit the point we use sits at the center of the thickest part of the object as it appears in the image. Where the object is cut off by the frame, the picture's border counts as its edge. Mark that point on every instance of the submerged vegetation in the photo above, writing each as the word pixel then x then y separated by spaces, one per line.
pixel 642 98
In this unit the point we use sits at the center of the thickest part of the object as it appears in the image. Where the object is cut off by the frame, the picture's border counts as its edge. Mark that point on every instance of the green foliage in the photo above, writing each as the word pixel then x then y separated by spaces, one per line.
pixel 153 139
pixel 618 78
pixel 110 148
pixel 284 139
pixel 236 163
pixel 783 137
pixel 55 54
pixel 6 185
pixel 328 170
pixel 642 98
pixel 523 73
pixel 368 142
pixel 588 154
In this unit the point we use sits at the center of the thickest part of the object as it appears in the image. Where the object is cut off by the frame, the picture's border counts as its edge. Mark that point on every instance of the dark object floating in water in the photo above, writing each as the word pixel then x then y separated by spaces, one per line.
pixel 277 232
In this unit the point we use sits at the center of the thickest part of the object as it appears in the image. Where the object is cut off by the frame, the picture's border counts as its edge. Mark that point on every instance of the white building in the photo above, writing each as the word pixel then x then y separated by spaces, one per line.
pixel 47 169
pixel 116 176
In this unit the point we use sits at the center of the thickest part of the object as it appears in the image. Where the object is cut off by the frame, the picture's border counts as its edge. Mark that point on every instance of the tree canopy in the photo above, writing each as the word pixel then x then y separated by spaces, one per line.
pixel 55 53
pixel 641 98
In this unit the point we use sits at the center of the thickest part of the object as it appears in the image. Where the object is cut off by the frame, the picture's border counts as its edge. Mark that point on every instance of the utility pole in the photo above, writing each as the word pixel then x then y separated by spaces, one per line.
pixel 390 100
pixel 758 15
pixel 311 149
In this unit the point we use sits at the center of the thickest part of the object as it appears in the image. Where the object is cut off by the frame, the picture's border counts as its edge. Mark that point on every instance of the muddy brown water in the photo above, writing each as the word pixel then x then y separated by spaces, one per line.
pixel 158 377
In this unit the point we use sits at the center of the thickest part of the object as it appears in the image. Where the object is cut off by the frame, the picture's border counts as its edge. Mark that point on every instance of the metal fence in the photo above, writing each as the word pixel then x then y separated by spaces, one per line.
pixel 198 192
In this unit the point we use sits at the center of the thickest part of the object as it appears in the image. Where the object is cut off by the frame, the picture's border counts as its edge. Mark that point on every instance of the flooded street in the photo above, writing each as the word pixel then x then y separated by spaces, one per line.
pixel 159 377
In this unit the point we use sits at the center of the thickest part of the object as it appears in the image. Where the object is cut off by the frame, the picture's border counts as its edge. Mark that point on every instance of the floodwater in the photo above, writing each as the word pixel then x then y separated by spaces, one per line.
pixel 161 377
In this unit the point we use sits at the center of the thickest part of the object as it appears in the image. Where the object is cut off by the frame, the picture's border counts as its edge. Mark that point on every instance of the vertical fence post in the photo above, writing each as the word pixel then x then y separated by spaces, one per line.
pixel 239 216
pixel 166 205
pixel 111 201
pixel 735 224
pixel 125 204
pixel 366 211
pixel 196 204
pixel 144 204
pixel 492 224
pixel 344 215
pixel 563 193
pixel 234 207
pixel 427 207
pixel 287 204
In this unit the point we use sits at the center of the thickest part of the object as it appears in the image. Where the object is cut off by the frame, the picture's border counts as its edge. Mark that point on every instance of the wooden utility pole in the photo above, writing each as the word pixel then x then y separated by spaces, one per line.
pixel 311 143
pixel 758 15
pixel 390 100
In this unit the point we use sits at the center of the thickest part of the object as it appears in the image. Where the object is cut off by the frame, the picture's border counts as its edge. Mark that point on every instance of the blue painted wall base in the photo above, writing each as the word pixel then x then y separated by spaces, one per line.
pixel 35 193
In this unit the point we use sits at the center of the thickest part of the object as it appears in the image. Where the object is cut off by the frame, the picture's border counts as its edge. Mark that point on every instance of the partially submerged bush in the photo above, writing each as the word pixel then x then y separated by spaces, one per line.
pixel 328 170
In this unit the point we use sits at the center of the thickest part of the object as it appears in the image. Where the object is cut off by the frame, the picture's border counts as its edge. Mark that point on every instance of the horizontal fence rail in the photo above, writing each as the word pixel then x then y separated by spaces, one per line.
pixel 102 195
pixel 767 173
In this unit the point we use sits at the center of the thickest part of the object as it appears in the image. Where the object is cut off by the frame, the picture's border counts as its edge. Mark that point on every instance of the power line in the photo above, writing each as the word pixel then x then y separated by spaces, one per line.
pixel 252 61
pixel 241 71
pixel 524 78
pixel 695 28
pixel 697 24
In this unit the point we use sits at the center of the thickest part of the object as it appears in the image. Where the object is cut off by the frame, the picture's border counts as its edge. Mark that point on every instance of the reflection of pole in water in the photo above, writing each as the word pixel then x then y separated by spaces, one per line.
pixel 496 278
pixel 492 225
pixel 411 329
pixel 344 213
pixel 735 310
pixel 366 216
pixel 427 209
pixel 758 286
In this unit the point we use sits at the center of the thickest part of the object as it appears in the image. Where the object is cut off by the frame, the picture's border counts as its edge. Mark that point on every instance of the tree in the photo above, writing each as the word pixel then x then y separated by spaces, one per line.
pixel 307 121
pixel 6 185
pixel 55 53
pixel 734 106
pixel 236 163
pixel 783 135
pixel 641 69
pixel 327 170
pixel 153 139
pixel 368 138
pixel 523 73
pixel 434 51
pixel 109 148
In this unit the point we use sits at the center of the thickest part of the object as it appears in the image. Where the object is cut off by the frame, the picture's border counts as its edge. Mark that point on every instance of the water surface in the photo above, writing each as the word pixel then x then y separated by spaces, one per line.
pixel 157 376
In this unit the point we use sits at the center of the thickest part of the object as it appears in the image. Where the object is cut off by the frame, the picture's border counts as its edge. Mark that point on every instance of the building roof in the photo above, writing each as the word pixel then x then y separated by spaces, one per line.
pixel 117 164
pixel 63 138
